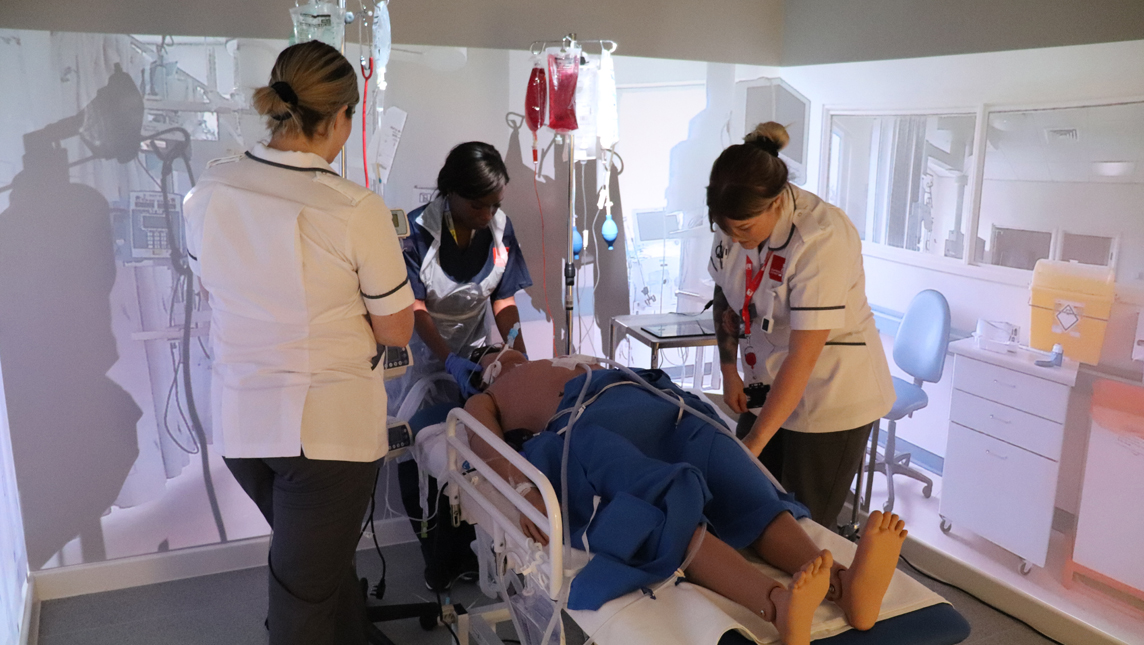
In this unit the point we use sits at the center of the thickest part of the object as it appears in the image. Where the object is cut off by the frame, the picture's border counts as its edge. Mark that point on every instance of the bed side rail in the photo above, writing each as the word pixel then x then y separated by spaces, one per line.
pixel 459 452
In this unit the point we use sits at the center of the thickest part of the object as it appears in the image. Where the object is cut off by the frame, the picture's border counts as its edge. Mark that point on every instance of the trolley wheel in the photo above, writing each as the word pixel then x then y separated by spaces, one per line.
pixel 945 525
pixel 1025 568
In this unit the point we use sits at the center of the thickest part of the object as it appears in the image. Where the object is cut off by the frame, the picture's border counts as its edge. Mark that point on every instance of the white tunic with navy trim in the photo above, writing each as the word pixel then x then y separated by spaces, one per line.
pixel 293 256
pixel 822 286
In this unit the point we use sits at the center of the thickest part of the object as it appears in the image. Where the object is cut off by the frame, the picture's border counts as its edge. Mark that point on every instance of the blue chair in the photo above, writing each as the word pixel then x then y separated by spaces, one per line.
pixel 919 350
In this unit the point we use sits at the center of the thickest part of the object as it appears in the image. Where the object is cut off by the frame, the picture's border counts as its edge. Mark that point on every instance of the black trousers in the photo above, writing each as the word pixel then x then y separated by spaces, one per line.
pixel 315 510
pixel 817 467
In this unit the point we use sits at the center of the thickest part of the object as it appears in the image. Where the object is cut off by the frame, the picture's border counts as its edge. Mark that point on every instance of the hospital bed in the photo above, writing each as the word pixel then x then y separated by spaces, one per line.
pixel 529 580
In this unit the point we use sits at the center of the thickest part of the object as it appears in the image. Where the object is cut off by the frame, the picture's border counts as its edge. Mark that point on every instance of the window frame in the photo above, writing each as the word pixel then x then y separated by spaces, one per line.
pixel 965 266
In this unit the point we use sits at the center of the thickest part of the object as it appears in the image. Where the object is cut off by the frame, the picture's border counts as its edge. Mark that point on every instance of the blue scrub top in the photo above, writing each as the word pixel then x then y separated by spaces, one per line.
pixel 469 265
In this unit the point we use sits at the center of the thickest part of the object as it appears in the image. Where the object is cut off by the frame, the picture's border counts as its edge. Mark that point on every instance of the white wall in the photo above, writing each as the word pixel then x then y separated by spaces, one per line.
pixel 1104 209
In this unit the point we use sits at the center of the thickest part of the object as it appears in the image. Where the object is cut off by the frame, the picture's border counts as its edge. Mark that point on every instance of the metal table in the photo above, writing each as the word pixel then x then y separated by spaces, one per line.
pixel 632 326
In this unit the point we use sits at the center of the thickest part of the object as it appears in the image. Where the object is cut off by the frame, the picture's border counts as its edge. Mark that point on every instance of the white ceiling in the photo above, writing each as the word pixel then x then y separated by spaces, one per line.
pixel 1028 146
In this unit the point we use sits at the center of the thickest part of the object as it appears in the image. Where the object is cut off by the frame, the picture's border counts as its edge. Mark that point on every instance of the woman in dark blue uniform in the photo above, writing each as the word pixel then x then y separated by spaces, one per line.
pixel 462 259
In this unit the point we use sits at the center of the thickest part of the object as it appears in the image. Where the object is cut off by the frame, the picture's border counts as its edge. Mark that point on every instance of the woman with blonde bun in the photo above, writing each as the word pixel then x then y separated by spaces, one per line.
pixel 305 278
pixel 790 302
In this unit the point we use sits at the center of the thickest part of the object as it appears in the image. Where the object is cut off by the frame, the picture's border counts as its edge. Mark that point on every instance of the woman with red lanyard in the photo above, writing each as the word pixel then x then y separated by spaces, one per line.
pixel 790 301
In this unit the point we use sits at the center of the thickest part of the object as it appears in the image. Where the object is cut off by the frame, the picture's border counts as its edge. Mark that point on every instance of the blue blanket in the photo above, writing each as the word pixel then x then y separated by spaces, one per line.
pixel 657 478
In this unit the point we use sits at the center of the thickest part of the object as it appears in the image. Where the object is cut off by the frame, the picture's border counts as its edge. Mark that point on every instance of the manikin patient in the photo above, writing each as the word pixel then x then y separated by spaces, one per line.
pixel 539 395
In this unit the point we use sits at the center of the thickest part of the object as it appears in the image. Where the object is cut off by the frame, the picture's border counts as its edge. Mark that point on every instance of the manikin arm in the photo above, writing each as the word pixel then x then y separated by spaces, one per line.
pixel 484 408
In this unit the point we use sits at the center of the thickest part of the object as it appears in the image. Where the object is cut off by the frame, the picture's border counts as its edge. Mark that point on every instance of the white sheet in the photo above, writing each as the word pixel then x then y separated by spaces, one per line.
pixel 692 615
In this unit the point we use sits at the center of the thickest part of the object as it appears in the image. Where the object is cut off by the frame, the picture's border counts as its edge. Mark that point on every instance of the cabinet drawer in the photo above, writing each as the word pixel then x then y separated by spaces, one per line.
pixel 1028 393
pixel 1030 432
pixel 1001 492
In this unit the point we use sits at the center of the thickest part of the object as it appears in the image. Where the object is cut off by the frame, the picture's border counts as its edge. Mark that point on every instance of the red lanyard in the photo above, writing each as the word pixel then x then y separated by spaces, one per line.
pixel 753 282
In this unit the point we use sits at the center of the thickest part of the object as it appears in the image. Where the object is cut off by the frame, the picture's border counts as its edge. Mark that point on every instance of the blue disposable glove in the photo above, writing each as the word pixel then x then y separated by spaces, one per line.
pixel 462 370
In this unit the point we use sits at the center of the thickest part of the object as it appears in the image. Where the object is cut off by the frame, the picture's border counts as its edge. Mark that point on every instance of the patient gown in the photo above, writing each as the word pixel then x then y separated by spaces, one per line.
pixel 641 479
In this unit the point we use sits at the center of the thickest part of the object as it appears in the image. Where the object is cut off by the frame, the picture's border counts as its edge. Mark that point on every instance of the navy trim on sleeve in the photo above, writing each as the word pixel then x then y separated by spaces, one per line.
pixel 191 255
pixel 858 344
pixel 387 293
pixel 818 308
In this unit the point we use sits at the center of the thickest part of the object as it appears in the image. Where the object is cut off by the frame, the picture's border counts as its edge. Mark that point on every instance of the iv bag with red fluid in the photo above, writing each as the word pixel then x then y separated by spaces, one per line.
pixel 563 70
pixel 534 99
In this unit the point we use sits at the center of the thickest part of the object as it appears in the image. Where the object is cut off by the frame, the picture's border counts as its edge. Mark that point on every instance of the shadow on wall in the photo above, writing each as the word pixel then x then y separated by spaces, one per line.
pixel 544 240
pixel 543 236
pixel 708 134
pixel 72 428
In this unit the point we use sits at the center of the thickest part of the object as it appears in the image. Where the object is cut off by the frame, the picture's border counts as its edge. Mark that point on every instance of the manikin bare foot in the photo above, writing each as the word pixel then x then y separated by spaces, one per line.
pixel 866 581
pixel 794 607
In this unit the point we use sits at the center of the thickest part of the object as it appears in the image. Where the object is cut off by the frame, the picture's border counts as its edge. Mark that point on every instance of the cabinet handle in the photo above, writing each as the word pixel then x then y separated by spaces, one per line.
pixel 996 455
pixel 999 419
pixel 1005 384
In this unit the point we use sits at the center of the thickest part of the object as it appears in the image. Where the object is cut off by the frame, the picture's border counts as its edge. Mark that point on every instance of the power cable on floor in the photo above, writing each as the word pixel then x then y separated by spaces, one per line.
pixel 977 598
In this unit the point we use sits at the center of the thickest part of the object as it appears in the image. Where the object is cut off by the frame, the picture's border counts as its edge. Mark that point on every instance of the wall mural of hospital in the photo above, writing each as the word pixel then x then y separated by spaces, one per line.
pixel 103 330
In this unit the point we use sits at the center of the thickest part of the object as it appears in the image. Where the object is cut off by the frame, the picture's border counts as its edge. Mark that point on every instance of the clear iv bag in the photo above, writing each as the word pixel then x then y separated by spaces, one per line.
pixel 563 69
pixel 382 41
pixel 324 21
pixel 586 107
pixel 607 114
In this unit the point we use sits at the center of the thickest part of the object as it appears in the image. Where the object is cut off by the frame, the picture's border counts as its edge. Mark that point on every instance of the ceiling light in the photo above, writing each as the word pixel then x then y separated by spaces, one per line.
pixel 1114 168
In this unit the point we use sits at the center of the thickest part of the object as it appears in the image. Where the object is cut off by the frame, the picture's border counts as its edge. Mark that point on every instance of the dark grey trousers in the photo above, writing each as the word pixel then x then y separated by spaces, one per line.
pixel 315 510
pixel 817 467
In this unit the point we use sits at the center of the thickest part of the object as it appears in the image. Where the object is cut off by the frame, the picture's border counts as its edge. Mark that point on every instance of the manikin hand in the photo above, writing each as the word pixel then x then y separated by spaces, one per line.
pixel 531 529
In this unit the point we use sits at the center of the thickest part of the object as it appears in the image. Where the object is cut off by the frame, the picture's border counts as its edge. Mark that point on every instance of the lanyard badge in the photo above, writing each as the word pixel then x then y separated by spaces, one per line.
pixel 754 280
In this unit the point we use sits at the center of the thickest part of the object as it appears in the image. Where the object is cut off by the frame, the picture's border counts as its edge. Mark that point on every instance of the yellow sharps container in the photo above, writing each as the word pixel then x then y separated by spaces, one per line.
pixel 1071 303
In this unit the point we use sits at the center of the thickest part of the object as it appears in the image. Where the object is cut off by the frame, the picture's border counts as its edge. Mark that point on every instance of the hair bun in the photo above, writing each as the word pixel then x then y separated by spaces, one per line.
pixel 771 137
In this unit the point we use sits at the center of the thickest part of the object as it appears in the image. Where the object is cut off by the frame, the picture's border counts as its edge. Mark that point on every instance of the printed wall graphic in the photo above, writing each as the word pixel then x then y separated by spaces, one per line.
pixel 106 452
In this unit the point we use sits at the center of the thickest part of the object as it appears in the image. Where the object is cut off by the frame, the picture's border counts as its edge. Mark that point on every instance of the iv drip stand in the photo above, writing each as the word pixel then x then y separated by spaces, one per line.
pixel 569 266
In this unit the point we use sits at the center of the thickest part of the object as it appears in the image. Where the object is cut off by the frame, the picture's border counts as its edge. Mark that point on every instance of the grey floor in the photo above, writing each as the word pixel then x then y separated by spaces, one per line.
pixel 229 608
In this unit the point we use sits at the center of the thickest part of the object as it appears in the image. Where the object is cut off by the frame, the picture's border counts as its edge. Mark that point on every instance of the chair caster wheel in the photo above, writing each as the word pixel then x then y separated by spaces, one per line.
pixel 428 622
pixel 927 491
pixel 946 527
pixel 888 508
pixel 1025 568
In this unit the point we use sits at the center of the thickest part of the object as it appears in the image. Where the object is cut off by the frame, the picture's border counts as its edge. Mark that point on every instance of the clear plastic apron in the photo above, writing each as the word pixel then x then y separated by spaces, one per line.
pixel 459 310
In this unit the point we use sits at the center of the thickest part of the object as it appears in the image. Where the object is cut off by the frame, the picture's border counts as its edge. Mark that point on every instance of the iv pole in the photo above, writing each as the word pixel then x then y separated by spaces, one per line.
pixel 569 266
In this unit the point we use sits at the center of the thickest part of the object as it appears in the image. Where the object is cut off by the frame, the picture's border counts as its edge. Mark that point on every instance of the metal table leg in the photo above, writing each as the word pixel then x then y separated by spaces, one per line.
pixel 873 461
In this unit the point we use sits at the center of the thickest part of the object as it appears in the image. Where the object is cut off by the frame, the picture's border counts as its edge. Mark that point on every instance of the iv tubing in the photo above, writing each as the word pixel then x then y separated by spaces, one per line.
pixel 364 109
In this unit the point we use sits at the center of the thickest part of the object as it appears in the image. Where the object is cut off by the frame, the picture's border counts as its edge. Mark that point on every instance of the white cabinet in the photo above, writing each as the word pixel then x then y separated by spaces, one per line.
pixel 1003 454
